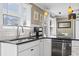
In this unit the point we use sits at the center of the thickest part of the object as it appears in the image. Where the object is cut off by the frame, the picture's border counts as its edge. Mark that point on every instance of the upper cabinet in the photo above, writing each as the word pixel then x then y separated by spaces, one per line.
pixel 16 14
pixel 37 15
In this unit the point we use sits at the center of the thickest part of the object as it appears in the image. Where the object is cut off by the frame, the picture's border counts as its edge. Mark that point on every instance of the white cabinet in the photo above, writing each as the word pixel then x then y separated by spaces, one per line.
pixel 25 46
pixel 27 52
pixel 25 49
pixel 53 22
pixel 52 32
pixel 75 44
pixel 47 47
pixel 26 15
pixel 29 49
pixel 77 29
pixel 75 48
pixel 34 51
pixel 75 51
pixel 41 47
pixel 52 27
pixel 28 19
pixel 8 49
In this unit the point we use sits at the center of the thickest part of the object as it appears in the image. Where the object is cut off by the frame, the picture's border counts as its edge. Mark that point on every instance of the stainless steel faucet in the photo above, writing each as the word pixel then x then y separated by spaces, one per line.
pixel 18 32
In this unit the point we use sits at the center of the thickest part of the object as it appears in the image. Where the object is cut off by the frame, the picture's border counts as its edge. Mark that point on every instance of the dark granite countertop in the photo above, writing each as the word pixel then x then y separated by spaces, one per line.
pixel 73 39
pixel 30 39
pixel 19 41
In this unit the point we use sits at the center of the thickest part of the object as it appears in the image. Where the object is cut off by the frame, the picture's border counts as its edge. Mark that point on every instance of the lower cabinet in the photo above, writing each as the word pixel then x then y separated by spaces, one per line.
pixel 29 49
pixel 40 47
pixel 75 51
pixel 75 48
pixel 47 47
pixel 25 49
pixel 34 51
pixel 8 49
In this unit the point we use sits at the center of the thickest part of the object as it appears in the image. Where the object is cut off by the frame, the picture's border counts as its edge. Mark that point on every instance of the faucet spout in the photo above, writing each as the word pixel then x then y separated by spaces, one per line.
pixel 18 34
pixel 22 29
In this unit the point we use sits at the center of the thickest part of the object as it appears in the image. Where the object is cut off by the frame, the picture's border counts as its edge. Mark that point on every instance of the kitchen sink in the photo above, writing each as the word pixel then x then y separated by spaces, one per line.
pixel 19 41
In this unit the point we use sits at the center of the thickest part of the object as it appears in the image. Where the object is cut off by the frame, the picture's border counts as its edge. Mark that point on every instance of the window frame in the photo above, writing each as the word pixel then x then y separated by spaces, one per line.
pixel 11 16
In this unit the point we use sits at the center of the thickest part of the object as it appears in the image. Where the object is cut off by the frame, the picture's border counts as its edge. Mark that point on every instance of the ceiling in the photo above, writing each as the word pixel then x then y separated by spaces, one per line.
pixel 58 7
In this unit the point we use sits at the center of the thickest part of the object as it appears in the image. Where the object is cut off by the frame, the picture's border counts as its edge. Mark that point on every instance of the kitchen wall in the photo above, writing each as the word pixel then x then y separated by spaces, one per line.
pixel 10 32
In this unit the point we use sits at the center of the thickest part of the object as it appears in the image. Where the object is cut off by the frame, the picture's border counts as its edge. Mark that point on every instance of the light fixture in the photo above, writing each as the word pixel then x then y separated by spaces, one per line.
pixel 70 10
pixel 45 13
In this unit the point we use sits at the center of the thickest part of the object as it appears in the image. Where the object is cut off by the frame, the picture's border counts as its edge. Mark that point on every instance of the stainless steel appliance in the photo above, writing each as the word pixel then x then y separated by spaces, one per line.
pixel 64 24
pixel 65 28
pixel 64 31
pixel 61 47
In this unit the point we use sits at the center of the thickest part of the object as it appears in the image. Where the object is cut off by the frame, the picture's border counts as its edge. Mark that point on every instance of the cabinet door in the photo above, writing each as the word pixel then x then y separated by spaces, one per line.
pixel 34 51
pixel 25 46
pixel 53 22
pixel 75 48
pixel 41 47
pixel 26 15
pixel 47 47
pixel 8 49
pixel 27 52
pixel 52 32
pixel 77 29
pixel 75 51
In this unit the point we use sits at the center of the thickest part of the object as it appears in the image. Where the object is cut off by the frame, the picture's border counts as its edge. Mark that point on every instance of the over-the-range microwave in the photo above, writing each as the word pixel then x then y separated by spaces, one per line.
pixel 64 24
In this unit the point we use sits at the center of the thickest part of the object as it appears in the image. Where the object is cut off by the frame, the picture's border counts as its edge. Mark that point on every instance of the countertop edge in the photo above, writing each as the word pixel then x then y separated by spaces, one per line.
pixel 71 39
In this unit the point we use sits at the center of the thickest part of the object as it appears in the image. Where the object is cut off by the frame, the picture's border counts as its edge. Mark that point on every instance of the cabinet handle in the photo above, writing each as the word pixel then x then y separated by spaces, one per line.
pixel 32 49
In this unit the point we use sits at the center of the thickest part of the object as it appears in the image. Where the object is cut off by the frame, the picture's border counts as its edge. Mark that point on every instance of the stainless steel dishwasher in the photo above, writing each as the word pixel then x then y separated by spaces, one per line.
pixel 61 47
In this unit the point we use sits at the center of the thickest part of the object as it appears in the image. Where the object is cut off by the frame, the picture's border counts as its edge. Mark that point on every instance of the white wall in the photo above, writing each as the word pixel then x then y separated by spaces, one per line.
pixel 10 32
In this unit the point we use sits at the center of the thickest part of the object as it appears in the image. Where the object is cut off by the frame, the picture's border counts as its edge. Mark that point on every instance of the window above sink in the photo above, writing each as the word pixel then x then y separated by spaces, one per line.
pixel 16 14
pixel 9 20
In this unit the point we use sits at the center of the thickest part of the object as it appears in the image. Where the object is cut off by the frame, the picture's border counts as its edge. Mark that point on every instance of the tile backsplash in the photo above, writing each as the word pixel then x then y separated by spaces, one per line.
pixel 11 33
